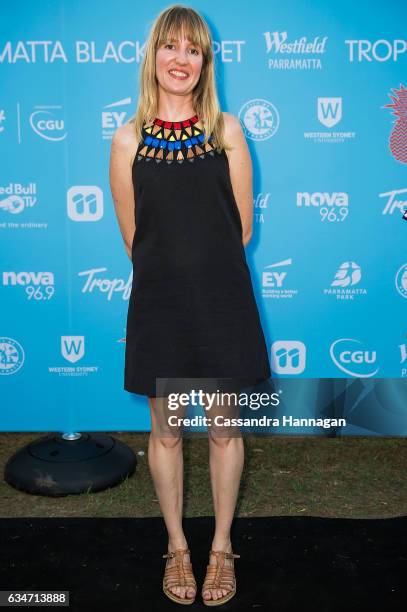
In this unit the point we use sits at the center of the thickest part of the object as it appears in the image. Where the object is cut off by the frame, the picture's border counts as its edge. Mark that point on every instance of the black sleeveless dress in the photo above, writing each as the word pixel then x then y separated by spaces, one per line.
pixel 192 311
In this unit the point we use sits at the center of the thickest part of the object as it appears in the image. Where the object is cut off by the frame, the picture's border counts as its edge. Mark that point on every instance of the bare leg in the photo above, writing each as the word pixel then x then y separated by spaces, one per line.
pixel 226 460
pixel 166 467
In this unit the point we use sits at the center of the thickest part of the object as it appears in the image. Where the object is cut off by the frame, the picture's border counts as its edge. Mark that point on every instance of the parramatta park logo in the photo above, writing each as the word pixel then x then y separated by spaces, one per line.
pixel 401 280
pixel 259 118
pixel 398 136
pixel 11 356
pixel 343 286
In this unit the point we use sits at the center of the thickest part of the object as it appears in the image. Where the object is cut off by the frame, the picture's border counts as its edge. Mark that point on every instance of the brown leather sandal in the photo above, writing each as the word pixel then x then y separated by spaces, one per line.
pixel 220 576
pixel 179 574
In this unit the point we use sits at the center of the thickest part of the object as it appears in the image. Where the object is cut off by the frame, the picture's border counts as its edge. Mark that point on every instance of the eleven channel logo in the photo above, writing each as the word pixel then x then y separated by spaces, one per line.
pixel 288 356
pixel 85 203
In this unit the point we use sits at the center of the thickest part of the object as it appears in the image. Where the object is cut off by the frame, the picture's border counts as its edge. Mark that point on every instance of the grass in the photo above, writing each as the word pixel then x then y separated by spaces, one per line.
pixel 350 477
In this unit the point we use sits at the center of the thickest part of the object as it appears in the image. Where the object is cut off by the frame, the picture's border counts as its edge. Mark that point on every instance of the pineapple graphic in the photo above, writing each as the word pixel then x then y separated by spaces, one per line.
pixel 398 136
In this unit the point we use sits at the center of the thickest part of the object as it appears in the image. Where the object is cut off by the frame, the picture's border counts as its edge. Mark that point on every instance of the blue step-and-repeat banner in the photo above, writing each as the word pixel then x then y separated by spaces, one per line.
pixel 320 90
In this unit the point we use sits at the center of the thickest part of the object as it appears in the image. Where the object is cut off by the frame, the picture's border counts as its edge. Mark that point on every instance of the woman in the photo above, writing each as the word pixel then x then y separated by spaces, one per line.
pixel 181 181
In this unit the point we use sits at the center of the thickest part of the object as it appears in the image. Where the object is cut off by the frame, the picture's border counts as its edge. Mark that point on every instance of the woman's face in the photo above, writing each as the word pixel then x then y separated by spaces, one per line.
pixel 183 57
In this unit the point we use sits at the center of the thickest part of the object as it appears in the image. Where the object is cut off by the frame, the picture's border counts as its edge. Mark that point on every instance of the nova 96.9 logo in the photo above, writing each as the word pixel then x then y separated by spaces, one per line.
pixel 37 285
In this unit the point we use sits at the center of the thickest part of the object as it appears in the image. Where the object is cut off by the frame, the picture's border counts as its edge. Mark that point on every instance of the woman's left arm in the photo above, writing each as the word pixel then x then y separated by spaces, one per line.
pixel 241 173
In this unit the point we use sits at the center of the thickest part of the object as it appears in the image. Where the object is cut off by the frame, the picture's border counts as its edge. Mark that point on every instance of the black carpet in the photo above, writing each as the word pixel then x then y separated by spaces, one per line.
pixel 286 563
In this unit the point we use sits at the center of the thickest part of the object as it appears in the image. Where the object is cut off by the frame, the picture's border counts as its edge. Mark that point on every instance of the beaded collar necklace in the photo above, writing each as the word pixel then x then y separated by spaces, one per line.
pixel 176 125
pixel 174 141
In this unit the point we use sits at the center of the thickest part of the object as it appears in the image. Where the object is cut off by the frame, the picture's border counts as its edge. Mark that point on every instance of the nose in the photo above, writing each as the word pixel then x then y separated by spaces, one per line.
pixel 181 58
pixel 182 55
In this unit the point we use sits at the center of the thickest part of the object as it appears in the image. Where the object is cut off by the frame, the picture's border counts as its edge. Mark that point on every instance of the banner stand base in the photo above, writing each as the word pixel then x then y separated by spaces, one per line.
pixel 57 464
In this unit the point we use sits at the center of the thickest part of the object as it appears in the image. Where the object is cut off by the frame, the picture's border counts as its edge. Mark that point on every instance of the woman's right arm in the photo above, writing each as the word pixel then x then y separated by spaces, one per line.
pixel 122 152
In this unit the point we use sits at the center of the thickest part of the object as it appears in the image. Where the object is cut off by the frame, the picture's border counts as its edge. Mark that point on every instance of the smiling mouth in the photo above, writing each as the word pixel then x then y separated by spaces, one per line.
pixel 178 74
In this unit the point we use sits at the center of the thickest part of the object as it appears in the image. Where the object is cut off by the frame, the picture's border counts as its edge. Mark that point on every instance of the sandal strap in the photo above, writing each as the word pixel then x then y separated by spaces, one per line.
pixel 170 555
pixel 226 573
pixel 224 554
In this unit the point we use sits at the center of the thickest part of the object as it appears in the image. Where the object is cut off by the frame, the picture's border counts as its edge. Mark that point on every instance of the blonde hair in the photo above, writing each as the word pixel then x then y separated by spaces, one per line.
pixel 171 22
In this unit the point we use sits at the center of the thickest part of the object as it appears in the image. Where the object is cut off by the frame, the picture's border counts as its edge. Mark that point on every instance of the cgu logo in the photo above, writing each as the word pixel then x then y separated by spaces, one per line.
pixel 318 198
pixel 45 125
pixel 358 357
pixel 346 358
pixel 28 278
pixel 73 347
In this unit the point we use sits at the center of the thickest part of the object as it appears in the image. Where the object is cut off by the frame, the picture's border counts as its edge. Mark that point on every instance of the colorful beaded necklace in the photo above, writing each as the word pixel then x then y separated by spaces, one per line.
pixel 174 141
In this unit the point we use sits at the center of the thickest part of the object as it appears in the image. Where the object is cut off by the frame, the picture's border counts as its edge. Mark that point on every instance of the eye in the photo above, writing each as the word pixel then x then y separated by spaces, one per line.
pixel 194 49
